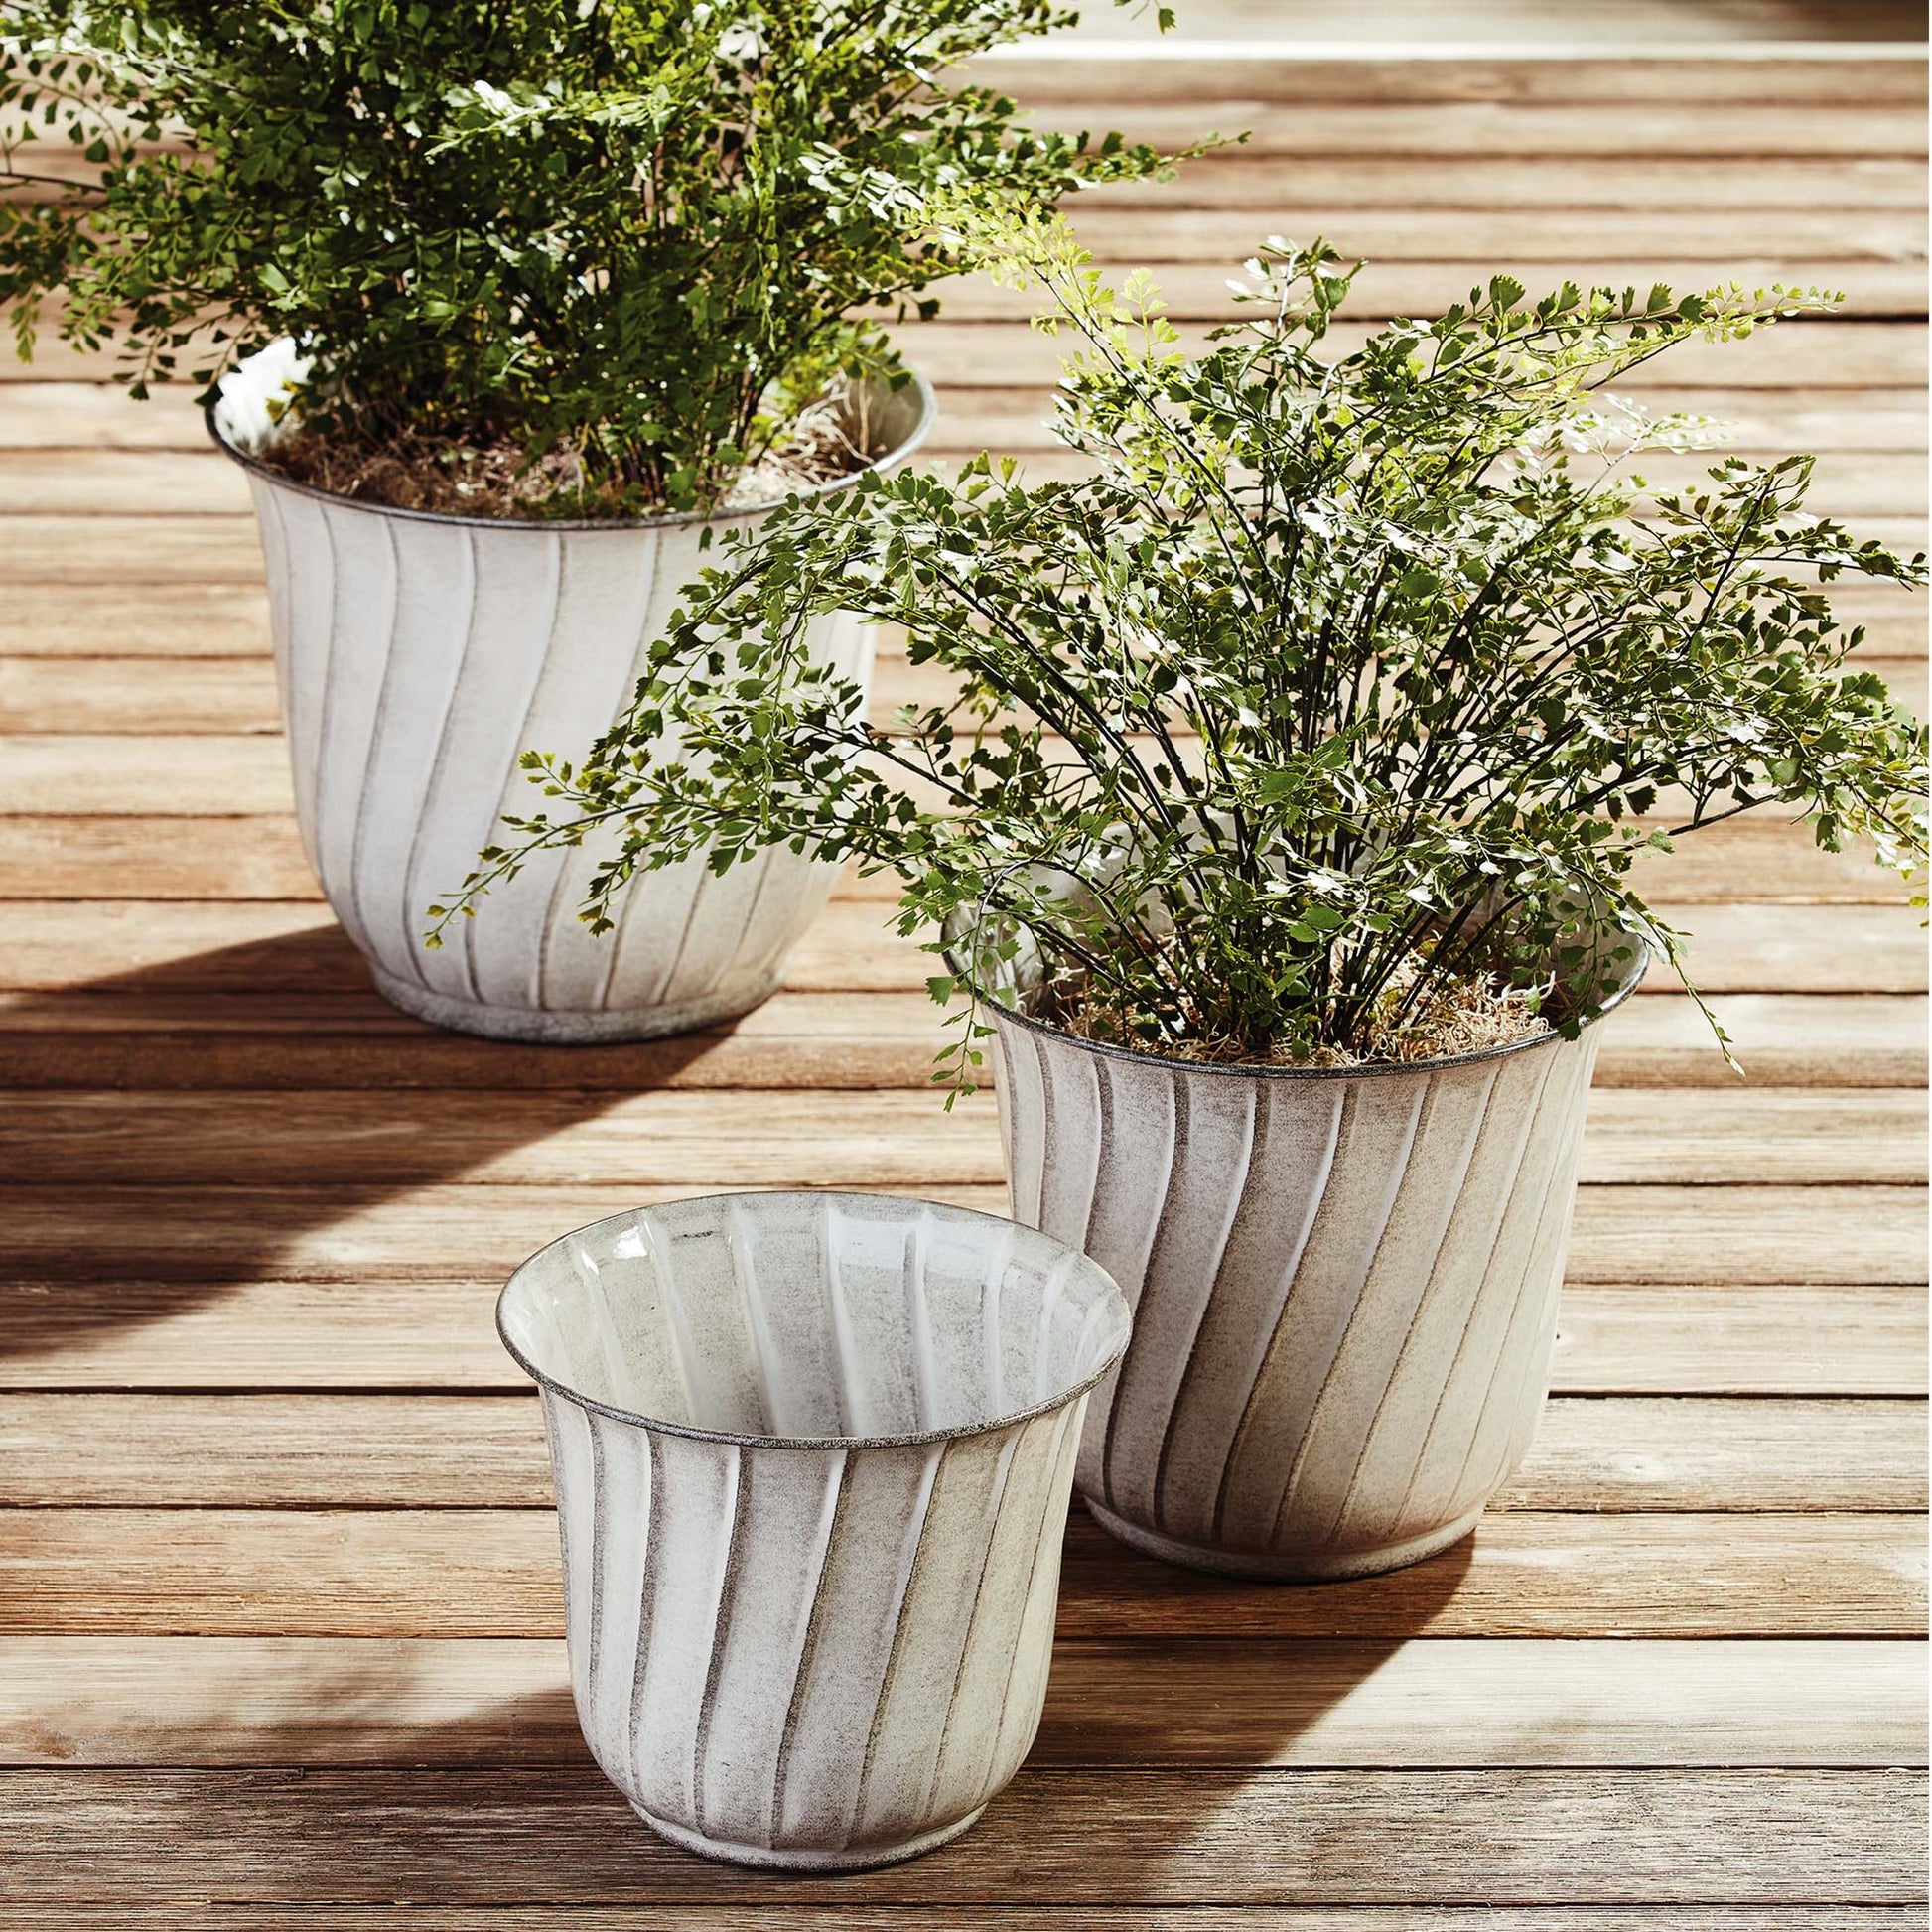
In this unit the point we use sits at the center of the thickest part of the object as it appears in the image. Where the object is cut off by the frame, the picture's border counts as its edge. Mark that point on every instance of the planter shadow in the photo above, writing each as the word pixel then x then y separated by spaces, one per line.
pixel 118 1222
pixel 1140 1753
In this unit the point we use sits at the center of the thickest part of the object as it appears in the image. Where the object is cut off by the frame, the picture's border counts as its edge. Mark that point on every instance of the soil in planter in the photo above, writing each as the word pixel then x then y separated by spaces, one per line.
pixel 452 475
pixel 1469 1016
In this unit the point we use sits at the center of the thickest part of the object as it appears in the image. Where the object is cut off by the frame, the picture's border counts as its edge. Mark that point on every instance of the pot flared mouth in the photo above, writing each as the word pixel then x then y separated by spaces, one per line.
pixel 1367 1070
pixel 1079 1317
pixel 905 414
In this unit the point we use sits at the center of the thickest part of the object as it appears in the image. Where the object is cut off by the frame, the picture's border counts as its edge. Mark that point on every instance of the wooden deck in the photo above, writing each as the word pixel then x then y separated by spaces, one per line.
pixel 278 1577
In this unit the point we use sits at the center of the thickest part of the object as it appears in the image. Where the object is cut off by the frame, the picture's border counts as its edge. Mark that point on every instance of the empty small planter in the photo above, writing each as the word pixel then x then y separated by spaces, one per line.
pixel 812 1456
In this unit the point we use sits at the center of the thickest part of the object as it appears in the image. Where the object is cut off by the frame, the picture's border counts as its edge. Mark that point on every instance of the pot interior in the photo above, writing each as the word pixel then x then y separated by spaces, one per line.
pixel 813 1316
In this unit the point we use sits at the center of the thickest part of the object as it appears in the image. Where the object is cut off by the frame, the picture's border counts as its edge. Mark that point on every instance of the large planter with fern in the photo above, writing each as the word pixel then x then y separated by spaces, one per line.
pixel 526 304
pixel 1344 1285
pixel 418 652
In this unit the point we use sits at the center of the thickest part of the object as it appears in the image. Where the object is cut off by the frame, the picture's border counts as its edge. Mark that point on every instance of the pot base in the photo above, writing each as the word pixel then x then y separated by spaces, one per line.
pixel 565 1026
pixel 1287 1566
pixel 801 1859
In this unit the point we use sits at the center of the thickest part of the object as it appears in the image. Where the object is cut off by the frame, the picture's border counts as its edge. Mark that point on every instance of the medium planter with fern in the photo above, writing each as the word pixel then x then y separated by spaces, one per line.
pixel 1281 843
pixel 1344 1285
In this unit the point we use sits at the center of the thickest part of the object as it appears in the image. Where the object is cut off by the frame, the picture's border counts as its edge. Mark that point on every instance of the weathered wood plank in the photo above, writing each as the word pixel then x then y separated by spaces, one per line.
pixel 1756 1134
pixel 1797 1040
pixel 1798 355
pixel 1769 1338
pixel 798 1039
pixel 1767 420
pixel 1801 950
pixel 1446 1702
pixel 804 1038
pixel 163 950
pixel 1629 182
pixel 105 855
pixel 1528 1573
pixel 1203 1836
pixel 1198 291
pixel 1714 1234
pixel 1444 132
pixel 1720 1236
pixel 804 1139
pixel 83 485
pixel 372 1232
pixel 201 1917
pixel 195 774
pixel 1306 73
pixel 139 858
pixel 258 1451
pixel 1752 1339
pixel 494 1573
pixel 59 697
pixel 1651 1453
pixel 178 622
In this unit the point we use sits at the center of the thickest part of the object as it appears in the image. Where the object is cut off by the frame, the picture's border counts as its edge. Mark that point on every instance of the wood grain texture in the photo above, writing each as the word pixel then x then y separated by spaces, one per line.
pixel 442 1451
pixel 378 1231
pixel 1534 130
pixel 1455 1702
pixel 202 775
pixel 140 948
pixel 493 1573
pixel 709 1140
pixel 211 848
pixel 1612 1338
pixel 1262 189
pixel 1201 1836
pixel 1306 73
pixel 137 1915
pixel 822 1041
pixel 164 483
pixel 1635 31
pixel 134 696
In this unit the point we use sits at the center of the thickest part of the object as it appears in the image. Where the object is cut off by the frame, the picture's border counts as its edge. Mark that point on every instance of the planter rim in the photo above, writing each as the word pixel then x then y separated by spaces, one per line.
pixel 827 1444
pixel 1371 1070
pixel 929 410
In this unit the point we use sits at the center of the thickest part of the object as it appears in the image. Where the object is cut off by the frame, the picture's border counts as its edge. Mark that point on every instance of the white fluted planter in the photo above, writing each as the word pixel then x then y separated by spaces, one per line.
pixel 1344 1285
pixel 418 655
pixel 812 1456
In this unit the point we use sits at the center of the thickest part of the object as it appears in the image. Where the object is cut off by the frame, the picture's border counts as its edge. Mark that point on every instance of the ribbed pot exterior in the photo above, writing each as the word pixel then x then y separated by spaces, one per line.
pixel 1344 1288
pixel 418 655
pixel 819 1649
